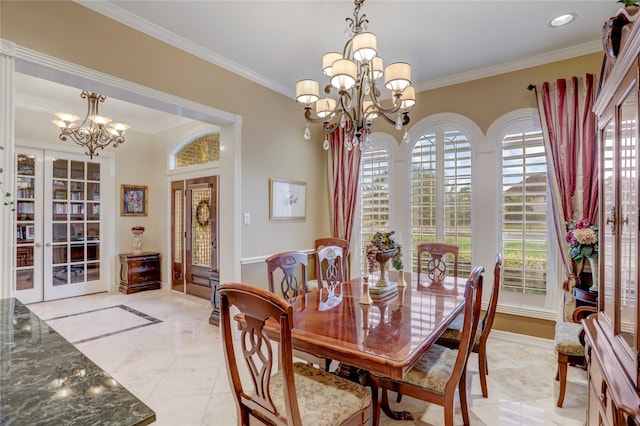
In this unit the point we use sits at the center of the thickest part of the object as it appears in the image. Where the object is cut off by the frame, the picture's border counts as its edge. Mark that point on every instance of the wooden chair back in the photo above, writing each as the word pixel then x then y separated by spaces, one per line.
pixel 330 266
pixel 490 313
pixel 293 265
pixel 340 242
pixel 436 265
pixel 256 306
pixel 473 303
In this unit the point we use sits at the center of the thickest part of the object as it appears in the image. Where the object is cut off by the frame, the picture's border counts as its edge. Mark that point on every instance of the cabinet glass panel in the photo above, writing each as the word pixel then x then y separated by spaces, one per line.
pixel 25 187
pixel 93 251
pixel 59 189
pixel 24 279
pixel 628 218
pixel 77 273
pixel 93 171
pixel 76 189
pixel 60 211
pixel 77 212
pixel 60 254
pixel 93 231
pixel 25 210
pixel 60 168
pixel 26 165
pixel 60 275
pixel 607 233
pixel 60 233
pixel 93 191
pixel 77 170
pixel 93 271
pixel 93 211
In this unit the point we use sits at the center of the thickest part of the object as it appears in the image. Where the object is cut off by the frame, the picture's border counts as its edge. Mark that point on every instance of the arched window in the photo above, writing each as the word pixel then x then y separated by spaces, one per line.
pixel 524 210
pixel 374 195
pixel 441 190
pixel 204 149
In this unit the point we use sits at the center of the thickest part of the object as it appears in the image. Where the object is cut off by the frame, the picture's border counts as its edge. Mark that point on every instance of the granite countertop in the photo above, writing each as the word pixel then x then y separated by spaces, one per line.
pixel 45 380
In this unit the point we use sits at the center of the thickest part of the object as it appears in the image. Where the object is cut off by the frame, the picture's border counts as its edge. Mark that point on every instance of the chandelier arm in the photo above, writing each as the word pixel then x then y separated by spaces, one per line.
pixel 310 119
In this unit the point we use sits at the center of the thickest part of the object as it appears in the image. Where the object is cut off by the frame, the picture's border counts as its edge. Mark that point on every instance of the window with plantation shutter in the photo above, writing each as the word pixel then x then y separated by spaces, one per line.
pixel 374 197
pixel 524 214
pixel 441 191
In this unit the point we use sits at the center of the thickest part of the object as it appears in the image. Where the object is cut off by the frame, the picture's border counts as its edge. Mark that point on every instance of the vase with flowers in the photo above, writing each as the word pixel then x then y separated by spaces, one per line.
pixel 137 238
pixel 582 237
pixel 382 248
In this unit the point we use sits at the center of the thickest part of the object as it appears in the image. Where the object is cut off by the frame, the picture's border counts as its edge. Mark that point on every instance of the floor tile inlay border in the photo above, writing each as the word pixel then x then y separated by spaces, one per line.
pixel 152 320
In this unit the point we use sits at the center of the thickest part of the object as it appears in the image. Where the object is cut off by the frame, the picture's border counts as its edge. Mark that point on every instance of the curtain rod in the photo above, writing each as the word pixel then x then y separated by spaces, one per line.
pixel 531 87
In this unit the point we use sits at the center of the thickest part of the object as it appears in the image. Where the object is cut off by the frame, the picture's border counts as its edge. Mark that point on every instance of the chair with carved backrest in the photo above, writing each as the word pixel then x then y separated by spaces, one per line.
pixel 436 265
pixel 293 266
pixel 330 266
pixel 440 370
pixel 340 242
pixel 451 337
pixel 297 394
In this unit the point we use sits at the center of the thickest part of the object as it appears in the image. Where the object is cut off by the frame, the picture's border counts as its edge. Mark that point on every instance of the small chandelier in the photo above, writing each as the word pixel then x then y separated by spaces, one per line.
pixel 353 75
pixel 93 133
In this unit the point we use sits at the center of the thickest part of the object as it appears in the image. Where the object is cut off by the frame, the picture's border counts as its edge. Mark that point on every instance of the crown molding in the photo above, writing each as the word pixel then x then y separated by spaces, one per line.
pixel 126 18
pixel 532 61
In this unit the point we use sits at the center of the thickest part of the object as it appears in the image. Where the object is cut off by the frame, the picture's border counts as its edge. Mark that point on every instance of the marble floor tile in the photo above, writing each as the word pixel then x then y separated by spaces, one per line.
pixel 176 366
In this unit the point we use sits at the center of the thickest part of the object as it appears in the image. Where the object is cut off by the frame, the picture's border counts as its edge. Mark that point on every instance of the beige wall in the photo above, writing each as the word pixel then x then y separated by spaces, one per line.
pixel 272 143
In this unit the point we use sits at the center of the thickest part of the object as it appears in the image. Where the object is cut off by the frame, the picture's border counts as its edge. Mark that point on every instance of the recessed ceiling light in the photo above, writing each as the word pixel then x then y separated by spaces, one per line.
pixel 562 19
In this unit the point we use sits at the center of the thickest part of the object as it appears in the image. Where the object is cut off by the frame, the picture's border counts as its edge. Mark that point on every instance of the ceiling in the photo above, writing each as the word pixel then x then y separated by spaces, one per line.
pixel 276 43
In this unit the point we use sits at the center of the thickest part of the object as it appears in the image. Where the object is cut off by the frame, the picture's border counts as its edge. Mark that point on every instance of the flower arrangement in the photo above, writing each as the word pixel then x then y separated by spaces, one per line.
pixel 381 242
pixel 583 240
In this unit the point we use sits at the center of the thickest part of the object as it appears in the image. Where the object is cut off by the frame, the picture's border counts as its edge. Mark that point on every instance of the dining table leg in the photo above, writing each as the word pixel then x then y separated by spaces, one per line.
pixel 395 415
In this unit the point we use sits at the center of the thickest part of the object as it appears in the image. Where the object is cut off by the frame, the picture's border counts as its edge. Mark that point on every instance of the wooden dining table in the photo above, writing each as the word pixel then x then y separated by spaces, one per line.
pixel 386 337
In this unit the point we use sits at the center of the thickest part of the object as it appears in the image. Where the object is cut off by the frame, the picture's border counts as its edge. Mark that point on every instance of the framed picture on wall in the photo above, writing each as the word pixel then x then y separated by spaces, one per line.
pixel 133 200
pixel 287 199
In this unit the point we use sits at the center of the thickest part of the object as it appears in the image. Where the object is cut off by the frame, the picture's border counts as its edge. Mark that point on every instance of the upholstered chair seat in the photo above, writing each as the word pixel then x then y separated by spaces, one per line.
pixel 434 369
pixel 567 339
pixel 324 398
pixel 570 347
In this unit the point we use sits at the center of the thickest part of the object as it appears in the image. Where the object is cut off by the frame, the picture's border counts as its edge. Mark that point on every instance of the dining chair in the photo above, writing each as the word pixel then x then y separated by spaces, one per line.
pixel 295 394
pixel 569 344
pixel 330 266
pixel 451 337
pixel 439 256
pixel 293 266
pixel 440 370
pixel 340 242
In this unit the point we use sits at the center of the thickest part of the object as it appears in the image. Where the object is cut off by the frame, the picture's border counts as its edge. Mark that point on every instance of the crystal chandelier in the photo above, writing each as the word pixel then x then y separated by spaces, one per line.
pixel 93 133
pixel 353 96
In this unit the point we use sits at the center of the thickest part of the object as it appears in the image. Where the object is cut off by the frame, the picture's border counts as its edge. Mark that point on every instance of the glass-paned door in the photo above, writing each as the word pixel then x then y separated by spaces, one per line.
pixel 28 220
pixel 194 235
pixel 58 226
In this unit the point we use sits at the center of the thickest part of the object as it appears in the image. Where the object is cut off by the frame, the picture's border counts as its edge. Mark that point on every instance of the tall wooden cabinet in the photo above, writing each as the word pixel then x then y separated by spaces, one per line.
pixel 612 338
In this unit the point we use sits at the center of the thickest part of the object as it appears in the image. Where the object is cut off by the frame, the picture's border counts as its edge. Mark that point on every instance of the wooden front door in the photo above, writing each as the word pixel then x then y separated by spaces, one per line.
pixel 195 235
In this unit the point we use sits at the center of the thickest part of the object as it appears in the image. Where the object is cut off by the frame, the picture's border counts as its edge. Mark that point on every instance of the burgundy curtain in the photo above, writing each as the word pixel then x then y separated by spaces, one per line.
pixel 344 179
pixel 569 131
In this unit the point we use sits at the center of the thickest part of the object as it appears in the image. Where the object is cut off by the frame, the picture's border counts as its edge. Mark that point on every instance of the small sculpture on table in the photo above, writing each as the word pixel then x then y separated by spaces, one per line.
pixel 137 238
pixel 383 247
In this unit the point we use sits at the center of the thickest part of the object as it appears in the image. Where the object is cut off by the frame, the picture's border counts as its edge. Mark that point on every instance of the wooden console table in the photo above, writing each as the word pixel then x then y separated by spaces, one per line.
pixel 140 271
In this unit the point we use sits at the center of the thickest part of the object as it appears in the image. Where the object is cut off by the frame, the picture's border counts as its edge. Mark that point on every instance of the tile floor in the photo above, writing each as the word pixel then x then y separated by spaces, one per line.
pixel 160 346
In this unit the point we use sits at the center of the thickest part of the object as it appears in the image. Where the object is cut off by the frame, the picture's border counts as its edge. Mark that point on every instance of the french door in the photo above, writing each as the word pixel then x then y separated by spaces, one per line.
pixel 58 237
pixel 194 242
